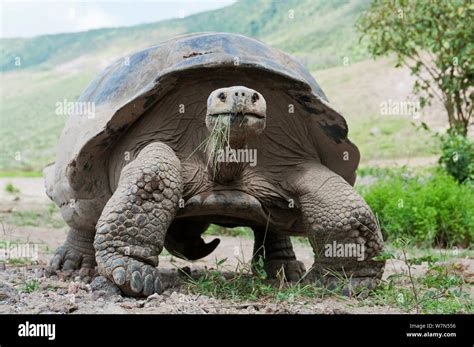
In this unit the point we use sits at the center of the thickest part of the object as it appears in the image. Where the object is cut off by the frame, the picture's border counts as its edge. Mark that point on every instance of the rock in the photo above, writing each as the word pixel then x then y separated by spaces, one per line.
pixel 74 287
pixel 62 307
pixel 116 298
pixel 65 275
pixel 154 296
pixel 52 294
pixel 339 311
pixel 7 292
pixel 306 310
pixel 39 273
pixel 54 284
pixel 103 287
pixel 49 272
pixel 3 267
pixel 71 298
pixel 375 131
pixel 128 305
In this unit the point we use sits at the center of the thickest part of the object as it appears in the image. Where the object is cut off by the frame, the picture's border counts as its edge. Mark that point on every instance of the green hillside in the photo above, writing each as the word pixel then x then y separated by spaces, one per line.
pixel 320 33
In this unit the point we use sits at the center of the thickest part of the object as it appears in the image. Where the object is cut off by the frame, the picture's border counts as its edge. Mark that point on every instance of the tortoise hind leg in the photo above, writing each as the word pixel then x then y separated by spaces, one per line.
pixel 76 253
pixel 278 254
pixel 342 231
pixel 133 225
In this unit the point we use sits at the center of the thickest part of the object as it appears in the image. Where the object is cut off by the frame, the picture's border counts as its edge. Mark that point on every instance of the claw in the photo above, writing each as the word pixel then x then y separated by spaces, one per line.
pixel 56 261
pixel 148 286
pixel 136 283
pixel 119 276
pixel 67 258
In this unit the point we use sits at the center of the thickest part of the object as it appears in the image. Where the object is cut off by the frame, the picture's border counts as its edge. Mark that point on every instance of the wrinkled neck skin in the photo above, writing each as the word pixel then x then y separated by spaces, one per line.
pixel 220 169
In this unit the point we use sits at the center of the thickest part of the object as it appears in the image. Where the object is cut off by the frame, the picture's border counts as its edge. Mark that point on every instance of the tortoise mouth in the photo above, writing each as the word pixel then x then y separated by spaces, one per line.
pixel 237 115
pixel 244 124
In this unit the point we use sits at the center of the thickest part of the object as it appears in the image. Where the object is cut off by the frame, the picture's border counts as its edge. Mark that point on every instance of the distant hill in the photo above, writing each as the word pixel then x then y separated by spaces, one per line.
pixel 320 32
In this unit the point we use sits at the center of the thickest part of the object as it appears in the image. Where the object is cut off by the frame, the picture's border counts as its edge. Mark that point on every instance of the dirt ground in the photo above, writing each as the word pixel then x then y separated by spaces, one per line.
pixel 68 294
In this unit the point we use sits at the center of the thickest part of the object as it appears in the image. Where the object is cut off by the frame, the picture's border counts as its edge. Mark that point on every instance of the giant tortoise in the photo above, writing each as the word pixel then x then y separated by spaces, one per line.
pixel 209 128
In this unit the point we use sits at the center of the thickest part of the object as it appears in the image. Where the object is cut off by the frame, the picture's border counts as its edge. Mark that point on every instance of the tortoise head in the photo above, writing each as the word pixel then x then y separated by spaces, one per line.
pixel 240 109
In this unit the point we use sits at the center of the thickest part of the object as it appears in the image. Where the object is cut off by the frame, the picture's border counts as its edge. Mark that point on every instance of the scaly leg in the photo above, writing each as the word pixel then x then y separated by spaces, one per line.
pixel 342 230
pixel 132 228
pixel 76 253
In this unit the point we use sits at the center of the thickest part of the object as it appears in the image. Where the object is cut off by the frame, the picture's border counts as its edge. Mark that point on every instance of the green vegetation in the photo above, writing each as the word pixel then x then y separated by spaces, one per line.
pixel 442 290
pixel 29 127
pixel 30 286
pixel 10 188
pixel 20 174
pixel 17 261
pixel 358 91
pixel 237 231
pixel 217 141
pixel 48 217
pixel 457 156
pixel 243 285
pixel 321 34
pixel 431 210
pixel 58 67
pixel 324 30
pixel 380 172
pixel 434 39
pixel 393 130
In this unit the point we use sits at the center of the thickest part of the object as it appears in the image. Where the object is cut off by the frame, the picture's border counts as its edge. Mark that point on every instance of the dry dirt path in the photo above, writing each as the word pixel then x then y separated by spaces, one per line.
pixel 60 294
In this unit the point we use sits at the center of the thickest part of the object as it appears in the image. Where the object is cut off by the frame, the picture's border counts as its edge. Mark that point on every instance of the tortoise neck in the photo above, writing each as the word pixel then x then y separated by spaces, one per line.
pixel 227 164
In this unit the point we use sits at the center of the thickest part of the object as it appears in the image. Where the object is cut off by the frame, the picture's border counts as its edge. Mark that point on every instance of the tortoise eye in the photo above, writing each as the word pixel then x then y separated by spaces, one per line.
pixel 255 97
pixel 221 96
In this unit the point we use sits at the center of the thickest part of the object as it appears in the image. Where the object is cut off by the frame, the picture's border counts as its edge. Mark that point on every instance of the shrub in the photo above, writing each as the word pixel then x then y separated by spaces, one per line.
pixel 457 156
pixel 10 188
pixel 431 210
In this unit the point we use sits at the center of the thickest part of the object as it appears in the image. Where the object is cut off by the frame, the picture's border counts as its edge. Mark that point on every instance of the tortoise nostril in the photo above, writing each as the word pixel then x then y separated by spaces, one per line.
pixel 236 94
pixel 255 97
pixel 243 94
pixel 221 96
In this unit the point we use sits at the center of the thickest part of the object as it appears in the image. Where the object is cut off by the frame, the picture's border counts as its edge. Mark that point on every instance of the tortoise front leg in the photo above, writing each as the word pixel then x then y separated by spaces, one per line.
pixel 341 229
pixel 132 228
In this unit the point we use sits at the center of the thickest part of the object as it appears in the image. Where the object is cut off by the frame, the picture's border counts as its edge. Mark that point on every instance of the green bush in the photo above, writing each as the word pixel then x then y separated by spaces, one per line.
pixel 457 156
pixel 430 210
pixel 10 188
